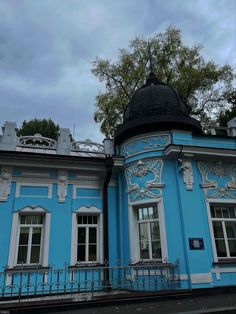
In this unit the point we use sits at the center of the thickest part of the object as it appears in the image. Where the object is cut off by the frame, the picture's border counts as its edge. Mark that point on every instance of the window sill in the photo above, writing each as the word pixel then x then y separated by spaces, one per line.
pixel 151 264
pixel 86 265
pixel 27 268
pixel 225 261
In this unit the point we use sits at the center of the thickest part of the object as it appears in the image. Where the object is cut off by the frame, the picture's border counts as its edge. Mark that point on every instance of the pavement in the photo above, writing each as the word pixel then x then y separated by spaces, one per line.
pixel 223 303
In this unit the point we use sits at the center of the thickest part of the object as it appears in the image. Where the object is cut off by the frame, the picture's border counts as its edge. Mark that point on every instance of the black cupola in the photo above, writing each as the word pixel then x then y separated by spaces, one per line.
pixel 155 107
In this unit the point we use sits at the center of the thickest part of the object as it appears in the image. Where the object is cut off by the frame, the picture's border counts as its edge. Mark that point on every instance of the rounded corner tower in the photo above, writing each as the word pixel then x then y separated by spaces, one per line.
pixel 155 106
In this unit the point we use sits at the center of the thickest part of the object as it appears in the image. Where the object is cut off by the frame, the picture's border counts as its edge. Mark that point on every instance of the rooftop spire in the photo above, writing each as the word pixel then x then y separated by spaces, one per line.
pixel 151 77
pixel 150 57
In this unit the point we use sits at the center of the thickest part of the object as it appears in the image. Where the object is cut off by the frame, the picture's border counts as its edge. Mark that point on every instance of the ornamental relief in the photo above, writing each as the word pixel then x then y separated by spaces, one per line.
pixel 146 144
pixel 62 185
pixel 144 179
pixel 5 182
pixel 218 179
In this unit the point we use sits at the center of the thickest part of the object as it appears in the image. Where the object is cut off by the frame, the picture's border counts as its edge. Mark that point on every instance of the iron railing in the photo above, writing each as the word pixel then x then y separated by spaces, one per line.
pixel 87 281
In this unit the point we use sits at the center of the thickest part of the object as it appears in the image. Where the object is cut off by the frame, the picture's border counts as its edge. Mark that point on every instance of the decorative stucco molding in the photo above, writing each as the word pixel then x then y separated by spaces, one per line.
pixel 218 179
pixel 5 182
pixel 145 144
pixel 62 185
pixel 144 179
pixel 187 171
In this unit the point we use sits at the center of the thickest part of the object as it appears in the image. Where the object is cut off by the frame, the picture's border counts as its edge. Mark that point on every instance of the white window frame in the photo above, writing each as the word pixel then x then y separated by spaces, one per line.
pixel 15 234
pixel 134 231
pixel 26 184
pixel 87 211
pixel 210 202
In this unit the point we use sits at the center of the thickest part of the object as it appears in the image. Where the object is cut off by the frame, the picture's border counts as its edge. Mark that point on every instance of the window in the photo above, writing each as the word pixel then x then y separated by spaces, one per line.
pixel 223 218
pixel 149 233
pixel 87 235
pixel 29 242
pixel 30 239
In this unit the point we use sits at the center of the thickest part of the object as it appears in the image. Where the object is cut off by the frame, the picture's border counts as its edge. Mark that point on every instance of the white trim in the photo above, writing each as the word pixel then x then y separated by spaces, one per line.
pixel 208 203
pixel 13 245
pixel 201 278
pixel 84 186
pixel 92 211
pixel 15 230
pixel 133 230
pixel 27 184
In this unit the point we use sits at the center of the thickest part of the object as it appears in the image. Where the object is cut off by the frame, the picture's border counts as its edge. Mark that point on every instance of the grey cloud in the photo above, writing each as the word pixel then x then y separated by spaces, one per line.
pixel 46 49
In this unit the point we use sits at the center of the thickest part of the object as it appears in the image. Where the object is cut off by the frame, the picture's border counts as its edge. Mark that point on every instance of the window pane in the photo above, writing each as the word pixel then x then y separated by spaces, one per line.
pixel 232 247
pixel 24 236
pixel 145 213
pixel 144 250
pixel 230 229
pixel 92 235
pixel 85 220
pixel 22 255
pixel 232 212
pixel 213 212
pixel 156 249
pixel 155 233
pixel 79 220
pixel 81 235
pixel 218 231
pixel 95 220
pixel 92 253
pixel 36 236
pixel 81 253
pixel 143 231
pixel 22 219
pixel 90 219
pixel 225 212
pixel 220 248
pixel 140 214
pixel 155 212
pixel 218 212
pixel 35 250
pixel 150 212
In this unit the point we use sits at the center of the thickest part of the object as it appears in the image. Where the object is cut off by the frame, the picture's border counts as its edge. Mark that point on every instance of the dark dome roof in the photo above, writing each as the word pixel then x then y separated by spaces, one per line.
pixel 155 106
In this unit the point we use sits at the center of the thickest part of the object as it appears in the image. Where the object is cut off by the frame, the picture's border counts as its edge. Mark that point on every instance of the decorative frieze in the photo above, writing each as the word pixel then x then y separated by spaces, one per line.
pixel 62 185
pixel 144 179
pixel 145 144
pixel 218 179
pixel 5 182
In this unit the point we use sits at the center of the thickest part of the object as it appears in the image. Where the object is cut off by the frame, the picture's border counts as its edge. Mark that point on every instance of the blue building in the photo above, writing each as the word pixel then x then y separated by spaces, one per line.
pixel 155 209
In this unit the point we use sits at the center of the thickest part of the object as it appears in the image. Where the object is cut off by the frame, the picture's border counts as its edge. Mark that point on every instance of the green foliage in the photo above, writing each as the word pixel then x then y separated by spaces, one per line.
pixel 46 128
pixel 202 84
pixel 226 115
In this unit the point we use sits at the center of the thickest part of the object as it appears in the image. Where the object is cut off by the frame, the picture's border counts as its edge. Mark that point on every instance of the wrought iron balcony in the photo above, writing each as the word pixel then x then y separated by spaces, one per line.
pixel 85 281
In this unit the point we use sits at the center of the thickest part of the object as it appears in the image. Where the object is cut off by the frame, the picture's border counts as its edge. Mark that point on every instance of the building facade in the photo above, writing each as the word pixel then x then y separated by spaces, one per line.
pixel 153 210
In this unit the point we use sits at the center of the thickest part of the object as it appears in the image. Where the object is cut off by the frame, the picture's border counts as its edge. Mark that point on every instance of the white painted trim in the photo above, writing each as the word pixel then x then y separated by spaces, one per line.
pixel 151 134
pixel 223 269
pixel 13 240
pixel 201 278
pixel 90 186
pixel 46 239
pixel 133 230
pixel 15 229
pixel 37 209
pixel 215 201
pixel 27 184
pixel 86 210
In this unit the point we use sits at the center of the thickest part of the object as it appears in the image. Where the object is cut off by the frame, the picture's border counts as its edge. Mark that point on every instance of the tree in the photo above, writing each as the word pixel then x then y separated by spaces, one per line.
pixel 44 127
pixel 202 84
pixel 226 115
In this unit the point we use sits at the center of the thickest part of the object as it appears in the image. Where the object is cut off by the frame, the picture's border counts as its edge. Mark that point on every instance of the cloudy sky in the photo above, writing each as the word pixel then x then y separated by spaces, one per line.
pixel 47 46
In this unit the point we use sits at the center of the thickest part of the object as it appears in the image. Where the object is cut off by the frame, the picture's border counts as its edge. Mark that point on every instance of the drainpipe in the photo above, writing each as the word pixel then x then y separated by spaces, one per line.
pixel 109 162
